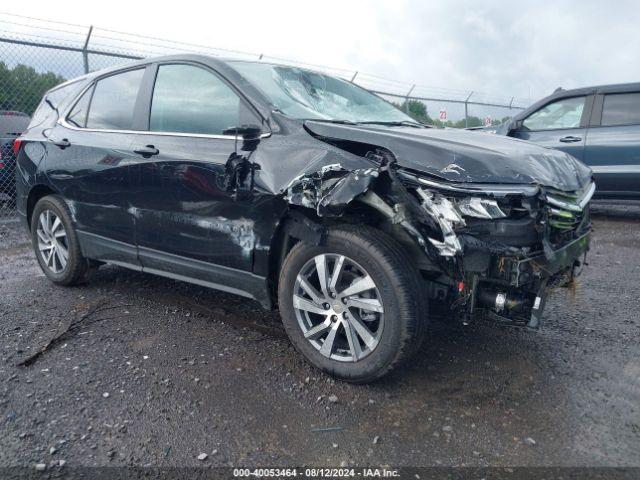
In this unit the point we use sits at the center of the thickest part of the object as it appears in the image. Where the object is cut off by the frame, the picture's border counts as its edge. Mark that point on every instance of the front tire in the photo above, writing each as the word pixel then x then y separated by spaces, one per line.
pixel 55 242
pixel 354 305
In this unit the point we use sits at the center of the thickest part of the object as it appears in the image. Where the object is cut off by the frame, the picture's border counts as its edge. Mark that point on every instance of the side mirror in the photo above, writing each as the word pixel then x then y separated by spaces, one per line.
pixel 513 126
pixel 250 135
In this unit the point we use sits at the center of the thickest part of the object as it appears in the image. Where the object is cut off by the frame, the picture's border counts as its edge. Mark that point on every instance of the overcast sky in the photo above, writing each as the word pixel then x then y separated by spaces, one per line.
pixel 502 47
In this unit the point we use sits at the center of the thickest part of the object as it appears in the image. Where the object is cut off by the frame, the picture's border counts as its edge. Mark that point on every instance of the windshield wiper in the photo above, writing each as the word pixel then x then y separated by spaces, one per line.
pixel 401 123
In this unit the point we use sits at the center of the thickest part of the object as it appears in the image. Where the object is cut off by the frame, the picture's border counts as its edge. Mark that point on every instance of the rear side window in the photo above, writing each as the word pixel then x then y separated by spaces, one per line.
pixel 621 109
pixel 51 104
pixel 78 115
pixel 113 101
pixel 189 99
pixel 564 113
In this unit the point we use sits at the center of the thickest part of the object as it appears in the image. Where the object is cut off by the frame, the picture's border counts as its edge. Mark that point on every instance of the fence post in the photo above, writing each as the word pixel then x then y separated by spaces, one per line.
pixel 406 100
pixel 85 54
pixel 466 111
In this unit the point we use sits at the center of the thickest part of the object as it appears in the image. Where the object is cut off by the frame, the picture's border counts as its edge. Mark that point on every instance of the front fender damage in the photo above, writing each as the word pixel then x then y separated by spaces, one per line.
pixel 333 189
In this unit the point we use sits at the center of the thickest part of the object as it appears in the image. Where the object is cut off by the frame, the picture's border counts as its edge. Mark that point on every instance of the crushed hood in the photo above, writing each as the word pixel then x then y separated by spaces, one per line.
pixel 463 156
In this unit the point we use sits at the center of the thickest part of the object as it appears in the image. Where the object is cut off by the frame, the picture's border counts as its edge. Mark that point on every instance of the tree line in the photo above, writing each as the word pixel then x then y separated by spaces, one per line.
pixel 22 87
pixel 418 111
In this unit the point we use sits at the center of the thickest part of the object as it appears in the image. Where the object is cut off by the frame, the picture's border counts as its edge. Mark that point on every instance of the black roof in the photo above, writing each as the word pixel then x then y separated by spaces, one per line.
pixel 221 66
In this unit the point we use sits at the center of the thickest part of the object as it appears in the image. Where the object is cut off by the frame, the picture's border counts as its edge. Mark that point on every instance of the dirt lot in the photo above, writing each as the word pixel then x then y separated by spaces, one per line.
pixel 158 372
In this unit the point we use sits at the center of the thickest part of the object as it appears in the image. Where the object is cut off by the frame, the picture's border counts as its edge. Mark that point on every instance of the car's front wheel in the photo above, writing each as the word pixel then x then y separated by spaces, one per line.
pixel 55 242
pixel 352 306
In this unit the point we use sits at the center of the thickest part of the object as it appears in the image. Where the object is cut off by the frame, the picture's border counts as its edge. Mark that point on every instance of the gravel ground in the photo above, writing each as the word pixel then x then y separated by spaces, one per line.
pixel 157 372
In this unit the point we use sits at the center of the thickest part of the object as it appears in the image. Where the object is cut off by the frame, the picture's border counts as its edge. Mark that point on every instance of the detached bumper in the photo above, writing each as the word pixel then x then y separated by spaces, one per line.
pixel 520 272
pixel 516 289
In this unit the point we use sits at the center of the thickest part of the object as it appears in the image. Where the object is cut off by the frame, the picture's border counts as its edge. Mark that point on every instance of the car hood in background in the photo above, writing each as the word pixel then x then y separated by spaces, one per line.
pixel 463 156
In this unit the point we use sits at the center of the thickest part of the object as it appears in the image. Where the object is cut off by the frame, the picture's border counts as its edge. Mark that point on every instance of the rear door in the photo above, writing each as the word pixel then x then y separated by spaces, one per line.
pixel 613 144
pixel 89 159
pixel 559 124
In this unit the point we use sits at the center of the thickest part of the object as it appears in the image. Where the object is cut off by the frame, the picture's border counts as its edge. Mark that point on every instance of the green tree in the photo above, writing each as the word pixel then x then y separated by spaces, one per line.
pixel 416 110
pixel 22 87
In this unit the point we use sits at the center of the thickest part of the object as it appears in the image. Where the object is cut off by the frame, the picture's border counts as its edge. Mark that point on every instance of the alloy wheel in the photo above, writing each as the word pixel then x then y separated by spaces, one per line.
pixel 338 307
pixel 52 241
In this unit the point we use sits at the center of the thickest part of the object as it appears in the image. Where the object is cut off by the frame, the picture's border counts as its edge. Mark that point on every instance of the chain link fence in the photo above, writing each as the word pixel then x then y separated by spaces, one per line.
pixel 37 54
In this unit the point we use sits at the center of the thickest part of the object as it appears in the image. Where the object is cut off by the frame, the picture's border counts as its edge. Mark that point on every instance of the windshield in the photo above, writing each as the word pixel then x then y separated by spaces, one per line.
pixel 304 94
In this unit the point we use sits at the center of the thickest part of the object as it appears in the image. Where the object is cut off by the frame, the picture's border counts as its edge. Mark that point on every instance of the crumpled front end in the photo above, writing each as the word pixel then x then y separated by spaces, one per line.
pixel 505 247
pixel 485 250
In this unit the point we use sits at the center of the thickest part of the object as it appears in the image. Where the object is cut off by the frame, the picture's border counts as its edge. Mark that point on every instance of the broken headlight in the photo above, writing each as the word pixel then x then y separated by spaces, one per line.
pixel 479 208
pixel 449 213
pixel 453 209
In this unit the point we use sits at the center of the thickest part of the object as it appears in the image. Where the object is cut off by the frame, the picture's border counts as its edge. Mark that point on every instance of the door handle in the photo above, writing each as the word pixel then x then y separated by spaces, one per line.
pixel 147 151
pixel 570 139
pixel 64 143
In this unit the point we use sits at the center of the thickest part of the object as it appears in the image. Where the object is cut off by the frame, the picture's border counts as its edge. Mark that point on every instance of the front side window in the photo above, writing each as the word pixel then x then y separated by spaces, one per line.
pixel 621 109
pixel 113 101
pixel 565 113
pixel 190 99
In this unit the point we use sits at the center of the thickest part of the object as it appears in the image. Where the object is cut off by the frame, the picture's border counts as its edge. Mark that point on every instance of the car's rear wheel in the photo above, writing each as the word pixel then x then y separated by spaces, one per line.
pixel 55 242
pixel 353 305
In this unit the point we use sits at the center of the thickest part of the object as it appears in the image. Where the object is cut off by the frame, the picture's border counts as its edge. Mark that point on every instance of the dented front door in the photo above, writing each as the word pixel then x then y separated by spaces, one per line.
pixel 182 205
pixel 186 216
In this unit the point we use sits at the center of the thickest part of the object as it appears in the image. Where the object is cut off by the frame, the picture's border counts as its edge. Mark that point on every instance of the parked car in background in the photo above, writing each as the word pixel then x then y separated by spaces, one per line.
pixel 304 191
pixel 12 124
pixel 597 125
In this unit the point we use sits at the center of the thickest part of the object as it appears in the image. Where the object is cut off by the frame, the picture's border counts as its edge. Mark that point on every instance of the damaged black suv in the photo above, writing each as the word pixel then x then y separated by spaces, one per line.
pixel 303 191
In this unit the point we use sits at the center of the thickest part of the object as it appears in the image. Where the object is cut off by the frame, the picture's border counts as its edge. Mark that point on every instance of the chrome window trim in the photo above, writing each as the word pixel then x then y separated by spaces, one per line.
pixel 63 121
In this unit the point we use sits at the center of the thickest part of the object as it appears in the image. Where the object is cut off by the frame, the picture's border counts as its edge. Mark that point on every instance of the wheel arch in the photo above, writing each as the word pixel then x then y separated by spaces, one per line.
pixel 304 224
pixel 35 194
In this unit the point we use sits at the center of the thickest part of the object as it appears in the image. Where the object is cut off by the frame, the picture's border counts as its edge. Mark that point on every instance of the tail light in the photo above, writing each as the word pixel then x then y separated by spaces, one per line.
pixel 16 146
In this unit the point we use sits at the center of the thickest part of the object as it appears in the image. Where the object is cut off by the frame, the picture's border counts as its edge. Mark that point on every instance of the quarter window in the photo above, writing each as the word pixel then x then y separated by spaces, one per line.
pixel 53 100
pixel 113 101
pixel 78 115
pixel 565 113
pixel 190 99
pixel 621 109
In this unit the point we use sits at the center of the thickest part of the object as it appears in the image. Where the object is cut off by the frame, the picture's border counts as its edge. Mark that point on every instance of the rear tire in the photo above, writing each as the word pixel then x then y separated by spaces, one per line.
pixel 381 292
pixel 55 242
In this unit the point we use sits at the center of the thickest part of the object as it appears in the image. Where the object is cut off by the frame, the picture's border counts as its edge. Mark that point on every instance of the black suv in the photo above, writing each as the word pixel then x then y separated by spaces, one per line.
pixel 300 190
pixel 598 125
